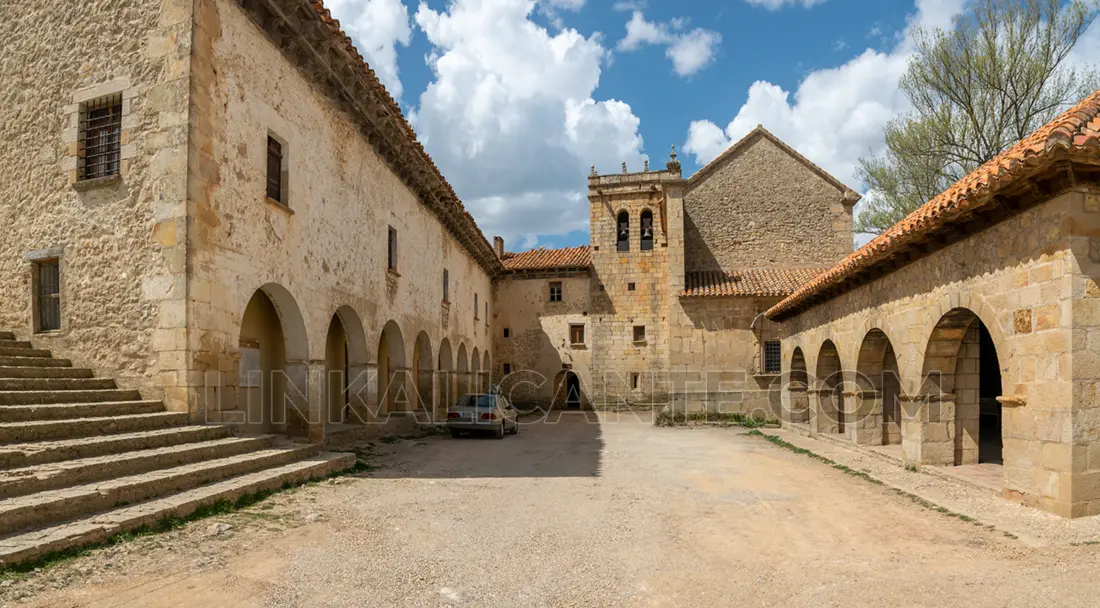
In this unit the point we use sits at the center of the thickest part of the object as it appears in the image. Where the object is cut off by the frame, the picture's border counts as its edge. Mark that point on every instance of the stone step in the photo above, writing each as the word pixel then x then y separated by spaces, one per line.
pixel 24 352
pixel 40 478
pixel 43 452
pixel 80 396
pixel 9 361
pixel 43 430
pixel 68 411
pixel 100 527
pixel 52 506
pixel 13 343
pixel 6 335
pixel 11 373
pixel 55 384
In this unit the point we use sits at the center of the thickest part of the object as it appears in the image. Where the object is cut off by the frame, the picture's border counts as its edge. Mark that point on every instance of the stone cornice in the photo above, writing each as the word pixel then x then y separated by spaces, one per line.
pixel 314 43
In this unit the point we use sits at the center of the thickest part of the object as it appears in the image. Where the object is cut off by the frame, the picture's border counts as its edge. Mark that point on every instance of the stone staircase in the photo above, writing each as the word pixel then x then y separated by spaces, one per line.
pixel 82 460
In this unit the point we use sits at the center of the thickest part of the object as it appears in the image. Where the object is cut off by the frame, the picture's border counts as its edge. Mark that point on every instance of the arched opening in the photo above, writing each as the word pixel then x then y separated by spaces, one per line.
pixel 462 371
pixel 475 372
pixel 961 381
pixel 345 369
pixel 392 370
pixel 830 391
pixel 423 364
pixel 877 377
pixel 797 384
pixel 486 370
pixel 446 375
pixel 272 372
pixel 647 230
pixel 622 240
pixel 568 393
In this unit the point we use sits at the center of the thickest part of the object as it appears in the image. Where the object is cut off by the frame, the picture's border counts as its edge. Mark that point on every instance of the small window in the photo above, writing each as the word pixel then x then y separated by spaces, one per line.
pixel 507 332
pixel 475 308
pixel 486 313
pixel 555 291
pixel 772 357
pixel 446 286
pixel 275 170
pixel 631 286
pixel 48 280
pixel 391 261
pixel 507 368
pixel 100 145
pixel 639 333
pixel 634 382
pixel 576 334
pixel 622 242
pixel 647 231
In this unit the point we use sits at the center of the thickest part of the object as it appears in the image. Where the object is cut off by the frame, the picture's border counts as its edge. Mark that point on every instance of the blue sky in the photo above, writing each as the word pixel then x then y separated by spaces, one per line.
pixel 515 99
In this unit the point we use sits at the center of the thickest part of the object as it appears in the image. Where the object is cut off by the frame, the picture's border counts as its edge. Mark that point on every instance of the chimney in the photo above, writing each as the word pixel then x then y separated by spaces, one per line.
pixel 498 246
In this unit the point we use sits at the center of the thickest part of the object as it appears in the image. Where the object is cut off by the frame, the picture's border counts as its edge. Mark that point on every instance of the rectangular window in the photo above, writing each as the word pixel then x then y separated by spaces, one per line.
pixel 475 307
pixel 275 170
pixel 507 368
pixel 392 259
pixel 446 286
pixel 100 145
pixel 555 291
pixel 634 382
pixel 48 282
pixel 576 334
pixel 639 333
pixel 772 357
pixel 507 332
pixel 631 286
pixel 486 313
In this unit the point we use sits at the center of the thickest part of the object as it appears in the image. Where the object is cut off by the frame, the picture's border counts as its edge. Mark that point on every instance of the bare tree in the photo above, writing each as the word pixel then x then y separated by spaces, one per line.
pixel 1000 73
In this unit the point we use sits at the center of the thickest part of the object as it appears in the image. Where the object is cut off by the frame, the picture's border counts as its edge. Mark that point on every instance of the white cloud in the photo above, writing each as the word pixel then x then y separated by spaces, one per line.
pixel 628 5
pixel 511 120
pixel 377 27
pixel 773 5
pixel 690 52
pixel 571 5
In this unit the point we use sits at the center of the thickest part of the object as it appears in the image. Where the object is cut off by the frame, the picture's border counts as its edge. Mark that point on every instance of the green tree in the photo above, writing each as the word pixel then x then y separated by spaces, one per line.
pixel 1000 73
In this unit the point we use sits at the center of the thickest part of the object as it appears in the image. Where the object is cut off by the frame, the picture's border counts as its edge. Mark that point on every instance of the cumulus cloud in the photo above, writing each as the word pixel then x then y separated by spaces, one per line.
pixel 690 51
pixel 511 120
pixel 377 27
pixel 773 5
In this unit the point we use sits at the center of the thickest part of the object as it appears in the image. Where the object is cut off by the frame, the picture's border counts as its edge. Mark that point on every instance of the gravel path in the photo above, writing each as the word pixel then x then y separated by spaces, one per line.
pixel 581 514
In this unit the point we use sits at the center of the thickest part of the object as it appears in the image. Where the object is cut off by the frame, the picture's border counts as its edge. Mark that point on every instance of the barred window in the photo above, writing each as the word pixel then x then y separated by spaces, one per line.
pixel 48 281
pixel 772 357
pixel 100 143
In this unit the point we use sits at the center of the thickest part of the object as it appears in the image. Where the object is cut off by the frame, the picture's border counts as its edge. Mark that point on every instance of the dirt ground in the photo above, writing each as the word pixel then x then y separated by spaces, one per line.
pixel 611 513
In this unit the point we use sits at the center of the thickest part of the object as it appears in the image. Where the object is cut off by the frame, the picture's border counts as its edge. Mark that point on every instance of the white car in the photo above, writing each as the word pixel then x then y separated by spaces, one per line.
pixel 480 413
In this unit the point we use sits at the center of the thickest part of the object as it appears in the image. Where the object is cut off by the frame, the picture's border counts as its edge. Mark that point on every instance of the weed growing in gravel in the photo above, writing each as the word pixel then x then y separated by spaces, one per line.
pixel 669 418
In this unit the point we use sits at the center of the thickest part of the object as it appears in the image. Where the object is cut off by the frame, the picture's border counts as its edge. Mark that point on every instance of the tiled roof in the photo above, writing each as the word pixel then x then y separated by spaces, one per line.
pixel 462 221
pixel 570 258
pixel 1073 135
pixel 759 282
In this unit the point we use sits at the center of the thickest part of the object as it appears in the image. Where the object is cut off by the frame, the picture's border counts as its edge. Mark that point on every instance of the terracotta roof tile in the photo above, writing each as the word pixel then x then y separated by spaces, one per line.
pixel 758 282
pixel 1075 134
pixel 570 258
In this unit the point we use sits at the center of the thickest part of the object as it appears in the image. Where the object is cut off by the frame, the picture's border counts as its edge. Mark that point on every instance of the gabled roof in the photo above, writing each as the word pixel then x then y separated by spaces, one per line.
pixel 570 258
pixel 1073 136
pixel 762 282
pixel 851 197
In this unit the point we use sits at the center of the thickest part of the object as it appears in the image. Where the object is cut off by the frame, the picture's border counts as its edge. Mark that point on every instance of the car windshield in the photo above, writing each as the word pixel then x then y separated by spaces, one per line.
pixel 486 401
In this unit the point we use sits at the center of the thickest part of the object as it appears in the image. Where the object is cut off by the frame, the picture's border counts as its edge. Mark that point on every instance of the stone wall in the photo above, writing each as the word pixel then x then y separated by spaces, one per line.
pixel 761 207
pixel 1031 281
pixel 323 254
pixel 539 347
pixel 120 242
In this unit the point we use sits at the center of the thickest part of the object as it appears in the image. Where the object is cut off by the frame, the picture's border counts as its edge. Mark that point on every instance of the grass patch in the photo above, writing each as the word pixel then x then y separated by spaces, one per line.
pixel 669 418
pixel 927 504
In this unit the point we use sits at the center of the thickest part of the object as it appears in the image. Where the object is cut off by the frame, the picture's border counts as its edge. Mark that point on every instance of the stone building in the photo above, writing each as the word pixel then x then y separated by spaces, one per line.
pixel 665 305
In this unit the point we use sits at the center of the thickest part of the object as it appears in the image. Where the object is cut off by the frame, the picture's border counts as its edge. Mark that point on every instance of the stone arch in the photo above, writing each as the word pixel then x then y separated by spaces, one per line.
pixel 622 231
pixel 961 378
pixel 445 374
pixel 423 373
pixel 646 230
pixel 475 372
pixel 830 414
pixel 976 304
pixel 878 378
pixel 346 360
pixel 486 369
pixel 392 370
pixel 272 377
pixel 569 391
pixel 462 371
pixel 798 381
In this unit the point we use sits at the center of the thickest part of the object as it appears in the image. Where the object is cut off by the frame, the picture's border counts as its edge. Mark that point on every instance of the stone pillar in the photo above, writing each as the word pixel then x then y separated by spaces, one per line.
pixel 295 406
pixel 798 404
pixel 823 403
pixel 358 395
pixel 317 404
pixel 928 429
pixel 864 416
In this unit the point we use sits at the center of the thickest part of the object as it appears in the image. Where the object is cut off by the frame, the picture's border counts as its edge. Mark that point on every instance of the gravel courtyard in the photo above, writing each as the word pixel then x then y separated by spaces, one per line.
pixel 579 513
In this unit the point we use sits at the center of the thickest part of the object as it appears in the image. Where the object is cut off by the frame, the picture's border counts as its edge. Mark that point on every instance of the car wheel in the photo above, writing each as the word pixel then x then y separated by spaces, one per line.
pixel 515 427
pixel 500 431
pixel 455 433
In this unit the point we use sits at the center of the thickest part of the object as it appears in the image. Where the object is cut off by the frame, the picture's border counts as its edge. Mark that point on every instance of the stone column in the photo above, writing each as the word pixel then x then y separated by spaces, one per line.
pixel 798 404
pixel 928 429
pixel 864 416
pixel 317 404
pixel 295 405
